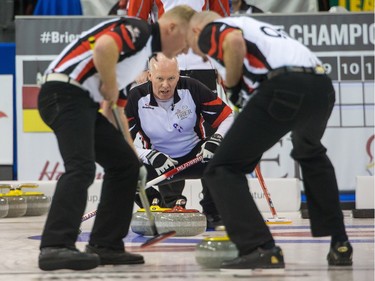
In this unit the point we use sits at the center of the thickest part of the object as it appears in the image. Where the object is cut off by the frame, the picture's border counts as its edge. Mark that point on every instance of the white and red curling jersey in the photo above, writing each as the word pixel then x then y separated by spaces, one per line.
pixel 136 40
pixel 267 47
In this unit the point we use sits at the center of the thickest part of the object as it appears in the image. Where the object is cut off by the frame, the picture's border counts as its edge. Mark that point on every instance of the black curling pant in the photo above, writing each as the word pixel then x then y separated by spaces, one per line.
pixel 84 137
pixel 296 102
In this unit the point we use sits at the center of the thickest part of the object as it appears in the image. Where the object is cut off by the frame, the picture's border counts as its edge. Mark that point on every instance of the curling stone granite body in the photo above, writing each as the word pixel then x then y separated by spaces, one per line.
pixel 4 206
pixel 212 251
pixel 17 205
pixel 37 203
pixel 140 223
pixel 186 222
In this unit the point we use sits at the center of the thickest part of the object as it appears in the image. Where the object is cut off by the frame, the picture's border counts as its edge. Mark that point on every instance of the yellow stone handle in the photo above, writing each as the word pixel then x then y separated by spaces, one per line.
pixel 28 185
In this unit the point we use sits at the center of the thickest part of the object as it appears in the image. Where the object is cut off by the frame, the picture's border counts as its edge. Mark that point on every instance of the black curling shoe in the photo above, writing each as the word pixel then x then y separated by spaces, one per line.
pixel 270 261
pixel 340 254
pixel 53 258
pixel 111 256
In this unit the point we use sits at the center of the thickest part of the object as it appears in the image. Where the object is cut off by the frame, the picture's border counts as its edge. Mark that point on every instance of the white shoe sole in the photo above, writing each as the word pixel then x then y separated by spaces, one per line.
pixel 257 271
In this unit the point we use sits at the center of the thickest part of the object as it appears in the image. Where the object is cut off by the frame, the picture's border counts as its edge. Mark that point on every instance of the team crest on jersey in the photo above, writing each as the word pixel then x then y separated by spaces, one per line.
pixel 183 113
pixel 134 32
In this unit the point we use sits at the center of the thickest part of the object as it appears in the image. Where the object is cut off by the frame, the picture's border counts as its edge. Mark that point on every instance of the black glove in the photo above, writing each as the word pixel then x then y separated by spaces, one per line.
pixel 238 94
pixel 209 147
pixel 161 162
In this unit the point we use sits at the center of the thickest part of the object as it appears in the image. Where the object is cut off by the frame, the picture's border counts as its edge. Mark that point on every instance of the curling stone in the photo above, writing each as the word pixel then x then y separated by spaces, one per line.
pixel 212 251
pixel 17 203
pixel 186 222
pixel 4 206
pixel 140 223
pixel 37 203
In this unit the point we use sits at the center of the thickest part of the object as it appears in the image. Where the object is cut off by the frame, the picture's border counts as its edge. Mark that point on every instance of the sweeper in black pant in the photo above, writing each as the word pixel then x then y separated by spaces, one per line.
pixel 89 71
pixel 282 88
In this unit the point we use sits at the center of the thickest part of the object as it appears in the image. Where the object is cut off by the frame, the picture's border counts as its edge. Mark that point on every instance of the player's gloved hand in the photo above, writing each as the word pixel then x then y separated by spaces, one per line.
pixel 238 94
pixel 161 162
pixel 209 147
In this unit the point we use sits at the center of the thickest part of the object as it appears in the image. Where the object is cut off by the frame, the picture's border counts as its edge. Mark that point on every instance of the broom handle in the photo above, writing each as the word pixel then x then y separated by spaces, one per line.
pixel 141 182
pixel 265 191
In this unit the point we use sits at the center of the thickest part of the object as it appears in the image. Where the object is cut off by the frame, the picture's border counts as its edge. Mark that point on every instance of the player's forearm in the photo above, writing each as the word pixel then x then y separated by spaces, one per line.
pixel 127 134
pixel 105 60
pixel 234 51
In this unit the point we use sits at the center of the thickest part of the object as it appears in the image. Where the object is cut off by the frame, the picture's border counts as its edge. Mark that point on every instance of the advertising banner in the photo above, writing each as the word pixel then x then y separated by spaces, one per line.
pixel 6 119
pixel 344 42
